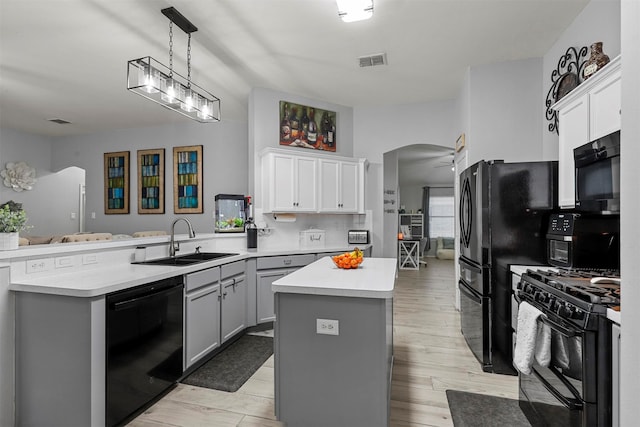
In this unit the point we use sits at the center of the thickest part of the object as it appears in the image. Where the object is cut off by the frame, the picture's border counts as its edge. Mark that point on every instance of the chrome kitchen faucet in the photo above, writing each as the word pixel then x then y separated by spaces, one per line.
pixel 173 245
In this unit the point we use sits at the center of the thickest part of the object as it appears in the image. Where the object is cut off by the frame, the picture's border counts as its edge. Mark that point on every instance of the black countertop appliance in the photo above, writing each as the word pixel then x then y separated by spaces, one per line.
pixel 503 215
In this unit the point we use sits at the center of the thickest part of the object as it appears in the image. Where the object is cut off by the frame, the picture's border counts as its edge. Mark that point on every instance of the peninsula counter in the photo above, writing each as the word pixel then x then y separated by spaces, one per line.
pixel 334 344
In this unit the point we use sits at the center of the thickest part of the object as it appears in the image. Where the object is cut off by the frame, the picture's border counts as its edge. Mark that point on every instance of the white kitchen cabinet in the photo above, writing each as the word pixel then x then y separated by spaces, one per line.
pixel 202 314
pixel 341 186
pixel 573 132
pixel 615 374
pixel 291 183
pixel 315 183
pixel 233 304
pixel 605 106
pixel 588 112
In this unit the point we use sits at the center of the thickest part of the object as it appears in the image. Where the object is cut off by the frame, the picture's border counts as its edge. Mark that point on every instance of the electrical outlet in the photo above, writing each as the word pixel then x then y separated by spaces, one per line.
pixel 89 259
pixel 64 261
pixel 327 327
pixel 38 265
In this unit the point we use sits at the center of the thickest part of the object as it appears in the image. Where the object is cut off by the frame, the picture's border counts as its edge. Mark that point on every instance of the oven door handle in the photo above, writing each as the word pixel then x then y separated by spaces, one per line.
pixel 564 381
pixel 572 404
pixel 569 333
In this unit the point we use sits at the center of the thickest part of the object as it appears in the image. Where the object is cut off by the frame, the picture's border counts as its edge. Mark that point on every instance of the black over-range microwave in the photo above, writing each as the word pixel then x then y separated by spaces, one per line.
pixel 598 175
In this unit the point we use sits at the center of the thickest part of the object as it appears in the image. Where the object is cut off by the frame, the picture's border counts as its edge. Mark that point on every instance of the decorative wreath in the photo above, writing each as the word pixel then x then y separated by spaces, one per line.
pixel 19 176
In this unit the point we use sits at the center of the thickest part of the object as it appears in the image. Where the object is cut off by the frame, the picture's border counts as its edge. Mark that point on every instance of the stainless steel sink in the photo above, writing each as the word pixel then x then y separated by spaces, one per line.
pixel 187 259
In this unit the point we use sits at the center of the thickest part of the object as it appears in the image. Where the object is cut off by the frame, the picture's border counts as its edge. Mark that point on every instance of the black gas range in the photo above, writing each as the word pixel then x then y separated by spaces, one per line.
pixel 572 294
pixel 575 388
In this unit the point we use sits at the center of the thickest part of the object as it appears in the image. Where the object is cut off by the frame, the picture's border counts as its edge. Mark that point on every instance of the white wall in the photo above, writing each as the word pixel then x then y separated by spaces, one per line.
pixel 264 128
pixel 54 196
pixel 224 170
pixel 380 130
pixel 598 21
pixel 504 111
pixel 630 206
pixel 389 225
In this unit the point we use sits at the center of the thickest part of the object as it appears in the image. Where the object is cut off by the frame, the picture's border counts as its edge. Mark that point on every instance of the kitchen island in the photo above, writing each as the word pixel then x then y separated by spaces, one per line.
pixel 334 344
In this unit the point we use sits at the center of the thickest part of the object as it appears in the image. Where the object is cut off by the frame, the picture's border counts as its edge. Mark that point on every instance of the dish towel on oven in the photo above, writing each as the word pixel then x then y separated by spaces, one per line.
pixel 530 341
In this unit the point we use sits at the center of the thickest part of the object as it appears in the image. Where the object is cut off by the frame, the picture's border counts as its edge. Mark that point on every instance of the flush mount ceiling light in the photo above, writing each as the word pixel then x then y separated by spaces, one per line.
pixel 160 84
pixel 355 10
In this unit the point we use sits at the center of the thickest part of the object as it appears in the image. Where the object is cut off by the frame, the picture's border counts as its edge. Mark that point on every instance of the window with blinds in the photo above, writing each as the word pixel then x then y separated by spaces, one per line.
pixel 441 216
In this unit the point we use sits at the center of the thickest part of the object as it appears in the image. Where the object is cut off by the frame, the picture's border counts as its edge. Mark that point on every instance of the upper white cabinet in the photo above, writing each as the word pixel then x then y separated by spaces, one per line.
pixel 340 186
pixel 292 183
pixel 588 112
pixel 312 183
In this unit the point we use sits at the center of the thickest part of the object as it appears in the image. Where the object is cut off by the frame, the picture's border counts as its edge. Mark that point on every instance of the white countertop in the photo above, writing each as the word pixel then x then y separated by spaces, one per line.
pixel 101 281
pixel 375 278
pixel 118 275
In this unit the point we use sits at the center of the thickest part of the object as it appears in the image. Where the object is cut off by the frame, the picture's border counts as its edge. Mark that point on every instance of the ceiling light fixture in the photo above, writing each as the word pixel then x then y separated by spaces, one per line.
pixel 355 10
pixel 160 84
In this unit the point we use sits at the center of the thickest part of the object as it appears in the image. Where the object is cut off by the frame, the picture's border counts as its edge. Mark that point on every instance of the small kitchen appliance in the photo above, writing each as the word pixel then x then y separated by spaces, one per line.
pixel 576 240
pixel 358 237
pixel 598 175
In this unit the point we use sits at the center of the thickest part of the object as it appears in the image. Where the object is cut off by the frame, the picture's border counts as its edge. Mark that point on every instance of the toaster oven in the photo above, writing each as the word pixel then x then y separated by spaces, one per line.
pixel 358 237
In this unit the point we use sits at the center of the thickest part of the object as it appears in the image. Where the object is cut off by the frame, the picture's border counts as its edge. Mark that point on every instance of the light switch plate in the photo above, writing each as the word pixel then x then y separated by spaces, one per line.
pixel 327 327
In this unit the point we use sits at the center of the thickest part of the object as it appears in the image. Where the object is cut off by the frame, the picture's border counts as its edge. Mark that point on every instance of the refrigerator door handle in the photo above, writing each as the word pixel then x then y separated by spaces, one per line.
pixel 469 293
pixel 467 265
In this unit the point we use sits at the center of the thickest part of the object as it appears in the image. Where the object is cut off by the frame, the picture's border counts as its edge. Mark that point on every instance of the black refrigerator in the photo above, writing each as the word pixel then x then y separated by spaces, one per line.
pixel 503 215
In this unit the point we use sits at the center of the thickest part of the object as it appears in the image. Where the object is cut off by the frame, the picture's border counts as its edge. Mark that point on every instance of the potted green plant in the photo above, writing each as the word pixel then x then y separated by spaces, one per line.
pixel 13 220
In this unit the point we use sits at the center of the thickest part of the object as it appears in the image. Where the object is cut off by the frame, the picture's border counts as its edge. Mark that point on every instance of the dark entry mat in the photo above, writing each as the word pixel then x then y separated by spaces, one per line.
pixel 231 368
pixel 479 410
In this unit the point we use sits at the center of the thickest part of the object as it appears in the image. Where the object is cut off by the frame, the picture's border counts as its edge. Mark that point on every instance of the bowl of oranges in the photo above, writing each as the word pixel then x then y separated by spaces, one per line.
pixel 348 260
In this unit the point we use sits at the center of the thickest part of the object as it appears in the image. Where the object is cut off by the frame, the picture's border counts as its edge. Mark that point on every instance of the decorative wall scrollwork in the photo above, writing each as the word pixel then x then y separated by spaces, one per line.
pixel 567 75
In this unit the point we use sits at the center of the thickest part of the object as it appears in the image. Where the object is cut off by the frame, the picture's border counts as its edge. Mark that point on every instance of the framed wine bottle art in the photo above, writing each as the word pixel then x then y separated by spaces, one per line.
pixel 307 127
pixel 151 181
pixel 116 183
pixel 187 179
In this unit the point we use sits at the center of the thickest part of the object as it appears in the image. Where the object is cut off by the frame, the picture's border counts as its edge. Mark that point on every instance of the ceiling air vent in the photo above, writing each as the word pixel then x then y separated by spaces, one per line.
pixel 59 121
pixel 373 60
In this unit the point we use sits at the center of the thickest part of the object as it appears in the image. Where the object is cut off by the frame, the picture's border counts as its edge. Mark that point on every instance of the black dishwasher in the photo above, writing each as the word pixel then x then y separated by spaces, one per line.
pixel 144 346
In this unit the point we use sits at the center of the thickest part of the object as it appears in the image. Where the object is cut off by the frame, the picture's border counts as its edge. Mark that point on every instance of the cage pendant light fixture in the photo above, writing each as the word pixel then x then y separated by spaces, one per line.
pixel 162 85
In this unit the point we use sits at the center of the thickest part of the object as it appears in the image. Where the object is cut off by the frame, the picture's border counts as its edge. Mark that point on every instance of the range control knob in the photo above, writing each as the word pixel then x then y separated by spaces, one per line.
pixel 564 310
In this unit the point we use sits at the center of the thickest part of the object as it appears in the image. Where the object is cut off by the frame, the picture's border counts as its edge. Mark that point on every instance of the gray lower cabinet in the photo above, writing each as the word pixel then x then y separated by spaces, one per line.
pixel 202 314
pixel 268 270
pixel 215 309
pixel 233 305
pixel 264 279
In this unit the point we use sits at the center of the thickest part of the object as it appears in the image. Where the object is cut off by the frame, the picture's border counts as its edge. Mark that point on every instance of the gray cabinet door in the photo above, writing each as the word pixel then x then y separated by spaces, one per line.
pixel 233 306
pixel 202 323
pixel 264 279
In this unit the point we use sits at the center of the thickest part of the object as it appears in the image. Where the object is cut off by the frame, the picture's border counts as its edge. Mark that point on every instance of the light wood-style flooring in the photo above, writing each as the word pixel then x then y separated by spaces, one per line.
pixel 431 356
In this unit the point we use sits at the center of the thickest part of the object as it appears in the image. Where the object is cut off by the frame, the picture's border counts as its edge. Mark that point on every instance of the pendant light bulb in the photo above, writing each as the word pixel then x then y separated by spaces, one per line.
pixel 187 104
pixel 151 77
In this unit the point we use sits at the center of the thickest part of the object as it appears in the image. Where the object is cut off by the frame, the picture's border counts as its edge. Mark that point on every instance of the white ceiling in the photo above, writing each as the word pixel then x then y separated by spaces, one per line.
pixel 424 164
pixel 67 58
